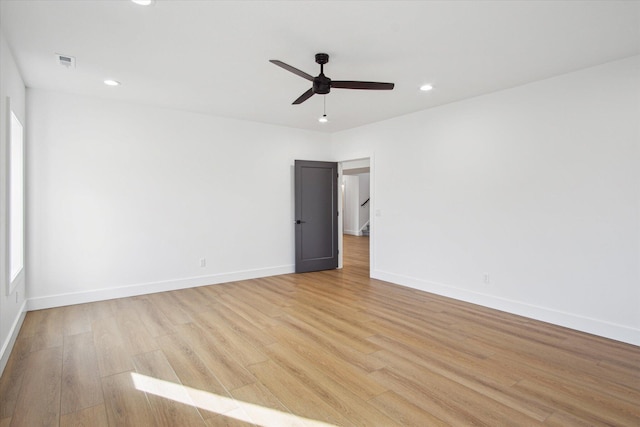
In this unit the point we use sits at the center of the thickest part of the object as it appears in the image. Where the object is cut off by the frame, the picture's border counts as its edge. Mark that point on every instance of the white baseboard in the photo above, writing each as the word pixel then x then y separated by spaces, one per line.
pixel 569 320
pixel 352 232
pixel 8 343
pixel 60 300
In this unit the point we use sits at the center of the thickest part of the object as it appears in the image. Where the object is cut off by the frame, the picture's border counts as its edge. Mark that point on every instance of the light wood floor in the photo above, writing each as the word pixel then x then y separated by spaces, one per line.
pixel 327 348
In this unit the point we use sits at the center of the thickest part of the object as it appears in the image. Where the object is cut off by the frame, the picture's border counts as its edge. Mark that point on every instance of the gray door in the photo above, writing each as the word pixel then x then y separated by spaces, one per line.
pixel 316 200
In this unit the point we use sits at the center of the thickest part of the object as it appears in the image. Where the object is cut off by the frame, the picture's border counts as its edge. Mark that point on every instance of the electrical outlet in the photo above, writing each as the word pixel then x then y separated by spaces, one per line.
pixel 486 279
pixel 203 262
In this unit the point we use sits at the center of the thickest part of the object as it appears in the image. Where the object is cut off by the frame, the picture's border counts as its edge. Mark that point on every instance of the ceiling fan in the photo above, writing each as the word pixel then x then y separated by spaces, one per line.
pixel 322 84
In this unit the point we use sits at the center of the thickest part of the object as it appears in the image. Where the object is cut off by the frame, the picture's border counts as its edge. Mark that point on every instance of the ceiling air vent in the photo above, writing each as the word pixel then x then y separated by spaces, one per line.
pixel 66 60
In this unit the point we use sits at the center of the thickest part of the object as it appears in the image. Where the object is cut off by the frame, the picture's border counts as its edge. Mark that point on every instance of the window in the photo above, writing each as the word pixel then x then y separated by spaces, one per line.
pixel 16 199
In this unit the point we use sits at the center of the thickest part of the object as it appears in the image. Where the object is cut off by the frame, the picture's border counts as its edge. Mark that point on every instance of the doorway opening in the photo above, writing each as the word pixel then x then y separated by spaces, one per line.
pixel 356 223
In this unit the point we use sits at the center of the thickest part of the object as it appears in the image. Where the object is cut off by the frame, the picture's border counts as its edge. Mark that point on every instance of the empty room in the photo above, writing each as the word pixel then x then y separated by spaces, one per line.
pixel 319 213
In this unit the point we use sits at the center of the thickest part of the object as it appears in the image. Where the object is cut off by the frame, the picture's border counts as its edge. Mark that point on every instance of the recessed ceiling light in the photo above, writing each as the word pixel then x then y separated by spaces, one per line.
pixel 143 2
pixel 112 83
pixel 426 88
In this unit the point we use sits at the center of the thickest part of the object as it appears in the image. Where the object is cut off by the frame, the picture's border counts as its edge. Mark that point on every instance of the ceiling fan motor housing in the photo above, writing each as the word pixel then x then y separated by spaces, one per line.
pixel 321 85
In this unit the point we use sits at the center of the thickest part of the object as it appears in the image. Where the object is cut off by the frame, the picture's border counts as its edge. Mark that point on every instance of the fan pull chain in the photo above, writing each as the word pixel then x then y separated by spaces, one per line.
pixel 324 119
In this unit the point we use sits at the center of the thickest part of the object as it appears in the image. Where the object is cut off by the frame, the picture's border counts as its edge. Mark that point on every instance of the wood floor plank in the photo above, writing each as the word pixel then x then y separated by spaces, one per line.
pixel 41 384
pixel 136 338
pixel 608 352
pixel 260 300
pixel 259 404
pixel 11 380
pixel 331 391
pixel 429 356
pixel 616 384
pixel 99 310
pixel 302 401
pixel 591 403
pixel 243 327
pixel 190 301
pixel 95 416
pixel 124 304
pixel 49 330
pixel 81 385
pixel 344 305
pixel 340 348
pixel 248 312
pixel 110 347
pixel 32 322
pixel 223 365
pixel 206 391
pixel 416 338
pixel 326 317
pixel 515 344
pixel 351 376
pixel 124 403
pixel 334 330
pixel 484 384
pixel 245 352
pixel 437 406
pixel 75 320
pixel 407 413
pixel 563 419
pixel 233 419
pixel 154 320
pixel 630 371
pixel 210 293
pixel 285 286
pixel 418 321
pixel 169 400
pixel 170 307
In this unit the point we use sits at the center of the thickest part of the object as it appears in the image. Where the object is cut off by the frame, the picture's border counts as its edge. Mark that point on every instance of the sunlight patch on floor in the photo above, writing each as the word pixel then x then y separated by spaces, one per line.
pixel 232 408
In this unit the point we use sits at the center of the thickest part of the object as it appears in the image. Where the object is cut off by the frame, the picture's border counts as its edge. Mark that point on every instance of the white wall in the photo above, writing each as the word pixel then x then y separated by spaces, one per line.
pixel 351 206
pixel 11 306
pixel 538 186
pixel 126 199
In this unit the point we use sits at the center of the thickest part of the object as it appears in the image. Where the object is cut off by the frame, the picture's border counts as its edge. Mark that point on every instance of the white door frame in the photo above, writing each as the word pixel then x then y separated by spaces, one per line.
pixel 372 220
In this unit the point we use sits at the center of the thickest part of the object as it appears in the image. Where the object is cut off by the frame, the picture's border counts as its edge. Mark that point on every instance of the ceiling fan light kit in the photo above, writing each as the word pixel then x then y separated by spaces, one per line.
pixel 322 84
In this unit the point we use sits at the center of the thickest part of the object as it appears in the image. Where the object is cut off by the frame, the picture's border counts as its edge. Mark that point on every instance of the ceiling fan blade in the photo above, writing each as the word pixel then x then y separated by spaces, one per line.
pixel 308 94
pixel 292 69
pixel 348 84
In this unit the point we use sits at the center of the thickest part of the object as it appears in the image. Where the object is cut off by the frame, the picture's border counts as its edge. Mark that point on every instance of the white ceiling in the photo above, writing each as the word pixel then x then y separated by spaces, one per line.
pixel 212 56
